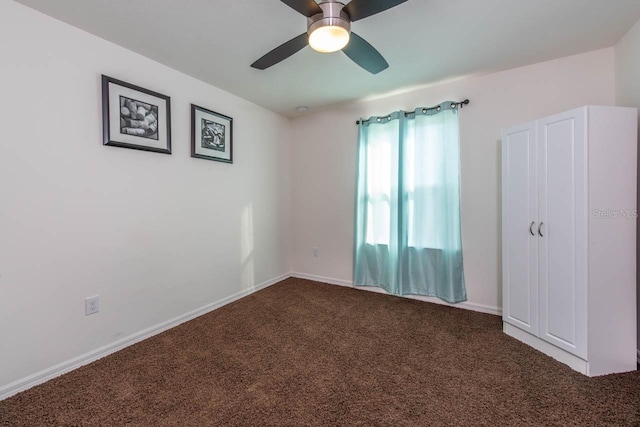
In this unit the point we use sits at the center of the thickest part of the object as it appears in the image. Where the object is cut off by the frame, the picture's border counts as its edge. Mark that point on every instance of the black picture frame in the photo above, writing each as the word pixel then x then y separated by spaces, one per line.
pixel 135 117
pixel 211 135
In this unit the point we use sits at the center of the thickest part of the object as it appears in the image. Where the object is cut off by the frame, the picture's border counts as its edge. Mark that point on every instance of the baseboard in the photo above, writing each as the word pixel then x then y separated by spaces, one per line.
pixel 322 279
pixel 464 305
pixel 69 365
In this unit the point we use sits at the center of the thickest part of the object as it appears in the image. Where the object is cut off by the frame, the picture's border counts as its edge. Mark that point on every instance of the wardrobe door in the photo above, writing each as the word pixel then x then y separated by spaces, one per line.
pixel 519 228
pixel 562 231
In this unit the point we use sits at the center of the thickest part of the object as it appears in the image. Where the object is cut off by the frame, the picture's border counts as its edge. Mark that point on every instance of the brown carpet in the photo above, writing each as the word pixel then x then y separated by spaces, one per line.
pixel 303 353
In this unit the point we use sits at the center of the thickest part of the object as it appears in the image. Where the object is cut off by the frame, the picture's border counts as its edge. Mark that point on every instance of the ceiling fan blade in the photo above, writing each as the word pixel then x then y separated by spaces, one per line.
pixel 358 9
pixel 306 7
pixel 365 55
pixel 282 52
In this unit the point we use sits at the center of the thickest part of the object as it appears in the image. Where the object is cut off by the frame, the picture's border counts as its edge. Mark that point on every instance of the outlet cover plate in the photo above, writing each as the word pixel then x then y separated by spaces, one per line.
pixel 92 305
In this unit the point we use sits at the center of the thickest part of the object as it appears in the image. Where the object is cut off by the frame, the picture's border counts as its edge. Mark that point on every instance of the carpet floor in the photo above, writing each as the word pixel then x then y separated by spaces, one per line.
pixel 303 353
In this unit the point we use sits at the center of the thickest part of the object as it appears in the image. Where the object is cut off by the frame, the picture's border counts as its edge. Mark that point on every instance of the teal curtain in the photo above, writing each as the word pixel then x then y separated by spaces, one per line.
pixel 407 216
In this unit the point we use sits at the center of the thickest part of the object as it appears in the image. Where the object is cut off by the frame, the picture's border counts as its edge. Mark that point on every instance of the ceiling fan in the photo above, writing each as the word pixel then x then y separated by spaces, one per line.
pixel 329 30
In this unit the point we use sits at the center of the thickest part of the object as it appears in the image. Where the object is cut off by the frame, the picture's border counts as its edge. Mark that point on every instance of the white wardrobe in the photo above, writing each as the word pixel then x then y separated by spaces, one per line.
pixel 569 237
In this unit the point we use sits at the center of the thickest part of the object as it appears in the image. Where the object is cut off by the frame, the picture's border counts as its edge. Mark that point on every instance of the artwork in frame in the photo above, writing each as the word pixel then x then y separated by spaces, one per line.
pixel 134 117
pixel 211 135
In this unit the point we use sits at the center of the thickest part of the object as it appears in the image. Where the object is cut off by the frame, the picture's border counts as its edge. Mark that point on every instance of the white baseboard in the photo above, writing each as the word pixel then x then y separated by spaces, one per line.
pixel 464 305
pixel 323 279
pixel 69 365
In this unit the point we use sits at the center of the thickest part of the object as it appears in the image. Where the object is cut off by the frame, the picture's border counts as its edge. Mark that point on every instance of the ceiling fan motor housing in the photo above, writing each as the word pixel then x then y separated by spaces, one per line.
pixel 332 14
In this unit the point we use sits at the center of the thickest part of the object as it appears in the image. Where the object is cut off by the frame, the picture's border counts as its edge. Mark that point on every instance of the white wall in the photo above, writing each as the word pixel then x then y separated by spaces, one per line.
pixel 323 161
pixel 155 235
pixel 627 52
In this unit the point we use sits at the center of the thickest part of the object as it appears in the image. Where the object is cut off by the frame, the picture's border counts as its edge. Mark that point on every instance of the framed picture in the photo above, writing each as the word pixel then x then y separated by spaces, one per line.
pixel 134 117
pixel 211 135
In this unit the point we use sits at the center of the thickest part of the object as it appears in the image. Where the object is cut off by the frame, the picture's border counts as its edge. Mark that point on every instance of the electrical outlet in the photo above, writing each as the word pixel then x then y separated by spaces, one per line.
pixel 91 305
pixel 315 252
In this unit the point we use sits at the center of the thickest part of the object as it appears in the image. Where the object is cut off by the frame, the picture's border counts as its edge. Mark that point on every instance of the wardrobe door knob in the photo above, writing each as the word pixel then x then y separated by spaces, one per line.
pixel 540 229
pixel 530 228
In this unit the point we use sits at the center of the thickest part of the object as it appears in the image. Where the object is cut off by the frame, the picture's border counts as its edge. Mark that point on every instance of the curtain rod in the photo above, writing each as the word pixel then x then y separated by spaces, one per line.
pixel 425 110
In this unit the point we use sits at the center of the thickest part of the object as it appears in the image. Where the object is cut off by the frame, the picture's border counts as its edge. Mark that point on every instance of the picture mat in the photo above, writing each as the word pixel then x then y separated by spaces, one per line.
pixel 115 91
pixel 226 154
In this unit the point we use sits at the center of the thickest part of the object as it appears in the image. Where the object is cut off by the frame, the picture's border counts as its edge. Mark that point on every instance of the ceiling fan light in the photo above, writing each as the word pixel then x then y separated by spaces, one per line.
pixel 328 38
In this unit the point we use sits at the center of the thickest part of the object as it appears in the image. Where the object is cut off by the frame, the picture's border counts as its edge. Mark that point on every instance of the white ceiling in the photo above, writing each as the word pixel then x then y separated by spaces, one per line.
pixel 424 41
